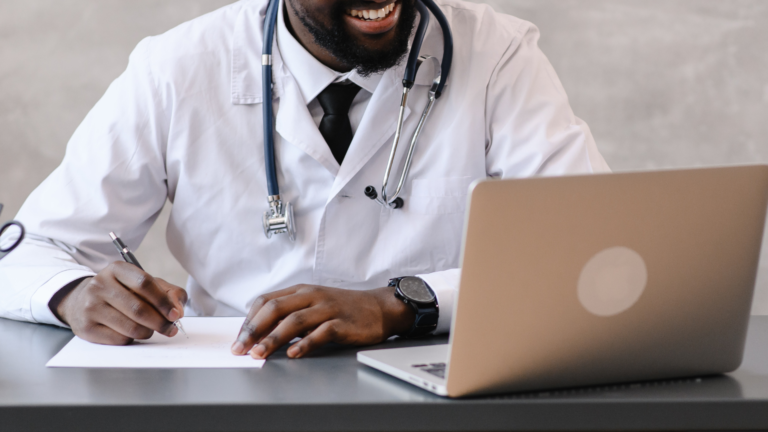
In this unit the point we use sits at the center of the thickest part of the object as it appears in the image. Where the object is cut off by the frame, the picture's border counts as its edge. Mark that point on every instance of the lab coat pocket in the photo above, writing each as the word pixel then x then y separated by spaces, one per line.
pixel 439 195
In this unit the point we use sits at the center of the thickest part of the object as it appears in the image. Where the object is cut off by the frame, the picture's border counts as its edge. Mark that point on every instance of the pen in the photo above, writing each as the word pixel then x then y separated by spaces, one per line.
pixel 131 259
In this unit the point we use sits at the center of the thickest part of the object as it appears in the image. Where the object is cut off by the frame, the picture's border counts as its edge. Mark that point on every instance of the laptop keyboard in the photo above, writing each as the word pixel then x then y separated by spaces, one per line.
pixel 436 369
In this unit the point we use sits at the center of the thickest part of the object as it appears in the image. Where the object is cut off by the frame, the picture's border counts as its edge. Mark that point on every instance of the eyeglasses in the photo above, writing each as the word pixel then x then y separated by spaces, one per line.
pixel 14 230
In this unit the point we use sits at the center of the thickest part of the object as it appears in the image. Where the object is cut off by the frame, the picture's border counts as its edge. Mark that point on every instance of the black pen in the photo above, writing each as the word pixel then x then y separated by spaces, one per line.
pixel 131 259
pixel 124 251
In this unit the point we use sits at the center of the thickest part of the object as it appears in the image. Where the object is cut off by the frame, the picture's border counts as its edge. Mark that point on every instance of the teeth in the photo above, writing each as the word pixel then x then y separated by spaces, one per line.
pixel 372 14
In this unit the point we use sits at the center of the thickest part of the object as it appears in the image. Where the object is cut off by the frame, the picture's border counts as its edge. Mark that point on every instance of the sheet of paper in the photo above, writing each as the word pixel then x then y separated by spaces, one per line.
pixel 206 347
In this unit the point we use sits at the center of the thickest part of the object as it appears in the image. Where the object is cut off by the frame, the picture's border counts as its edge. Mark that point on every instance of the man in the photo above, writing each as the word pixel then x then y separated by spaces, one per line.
pixel 183 122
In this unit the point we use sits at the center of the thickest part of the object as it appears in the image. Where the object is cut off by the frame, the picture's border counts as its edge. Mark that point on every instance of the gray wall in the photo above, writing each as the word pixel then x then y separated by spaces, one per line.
pixel 662 83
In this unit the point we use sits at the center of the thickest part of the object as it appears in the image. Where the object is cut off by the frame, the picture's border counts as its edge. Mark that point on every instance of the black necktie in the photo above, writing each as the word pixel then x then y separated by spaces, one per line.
pixel 335 128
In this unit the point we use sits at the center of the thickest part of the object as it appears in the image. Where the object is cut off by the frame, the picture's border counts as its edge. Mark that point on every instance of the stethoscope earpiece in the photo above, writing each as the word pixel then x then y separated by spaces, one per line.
pixel 371 193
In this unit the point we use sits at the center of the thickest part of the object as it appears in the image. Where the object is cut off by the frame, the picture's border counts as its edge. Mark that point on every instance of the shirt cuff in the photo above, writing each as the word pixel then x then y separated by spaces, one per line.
pixel 445 284
pixel 41 312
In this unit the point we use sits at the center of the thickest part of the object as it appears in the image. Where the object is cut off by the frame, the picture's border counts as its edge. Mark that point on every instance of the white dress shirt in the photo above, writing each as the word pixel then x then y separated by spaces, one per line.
pixel 183 122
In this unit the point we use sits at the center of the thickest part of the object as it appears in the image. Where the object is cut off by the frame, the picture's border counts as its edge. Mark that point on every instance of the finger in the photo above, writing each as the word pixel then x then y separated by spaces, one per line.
pixel 294 325
pixel 327 332
pixel 115 320
pixel 176 294
pixel 256 327
pixel 138 310
pixel 101 334
pixel 267 332
pixel 145 286
pixel 261 300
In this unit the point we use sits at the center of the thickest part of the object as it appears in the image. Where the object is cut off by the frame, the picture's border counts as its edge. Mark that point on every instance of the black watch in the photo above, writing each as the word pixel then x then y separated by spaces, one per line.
pixel 416 293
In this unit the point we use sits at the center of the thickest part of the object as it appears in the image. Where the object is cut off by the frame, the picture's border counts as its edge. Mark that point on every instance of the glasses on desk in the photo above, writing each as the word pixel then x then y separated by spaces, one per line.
pixel 11 235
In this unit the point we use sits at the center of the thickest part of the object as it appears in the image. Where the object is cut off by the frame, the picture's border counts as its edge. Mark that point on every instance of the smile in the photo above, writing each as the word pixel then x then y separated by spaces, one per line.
pixel 372 14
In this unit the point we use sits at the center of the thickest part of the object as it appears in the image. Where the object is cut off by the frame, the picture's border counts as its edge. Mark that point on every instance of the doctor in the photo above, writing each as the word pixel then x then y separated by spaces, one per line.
pixel 183 123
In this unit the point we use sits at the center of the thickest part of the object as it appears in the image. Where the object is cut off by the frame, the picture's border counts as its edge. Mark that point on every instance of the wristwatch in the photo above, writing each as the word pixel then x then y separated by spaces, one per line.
pixel 415 292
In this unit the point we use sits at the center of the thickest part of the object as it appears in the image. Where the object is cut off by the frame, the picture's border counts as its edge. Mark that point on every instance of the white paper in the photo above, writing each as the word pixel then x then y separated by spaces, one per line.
pixel 207 347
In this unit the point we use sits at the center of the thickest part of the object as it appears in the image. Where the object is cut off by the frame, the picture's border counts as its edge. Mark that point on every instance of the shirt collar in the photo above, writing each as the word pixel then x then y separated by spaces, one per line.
pixel 312 76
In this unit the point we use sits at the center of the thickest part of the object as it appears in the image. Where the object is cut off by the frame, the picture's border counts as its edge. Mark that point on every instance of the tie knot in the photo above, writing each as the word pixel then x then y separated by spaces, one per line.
pixel 337 98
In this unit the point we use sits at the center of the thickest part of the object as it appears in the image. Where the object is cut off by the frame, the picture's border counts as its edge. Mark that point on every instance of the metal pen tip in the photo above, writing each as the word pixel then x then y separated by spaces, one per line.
pixel 113 236
pixel 181 328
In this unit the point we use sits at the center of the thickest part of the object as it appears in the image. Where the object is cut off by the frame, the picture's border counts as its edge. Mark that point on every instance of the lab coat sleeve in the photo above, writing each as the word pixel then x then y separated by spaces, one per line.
pixel 445 284
pixel 112 178
pixel 530 131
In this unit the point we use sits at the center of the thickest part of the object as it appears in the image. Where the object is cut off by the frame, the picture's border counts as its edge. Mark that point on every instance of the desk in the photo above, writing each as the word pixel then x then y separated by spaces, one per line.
pixel 332 392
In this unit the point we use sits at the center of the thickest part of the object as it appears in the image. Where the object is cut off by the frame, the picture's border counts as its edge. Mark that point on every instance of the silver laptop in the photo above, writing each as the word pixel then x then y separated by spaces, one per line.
pixel 589 280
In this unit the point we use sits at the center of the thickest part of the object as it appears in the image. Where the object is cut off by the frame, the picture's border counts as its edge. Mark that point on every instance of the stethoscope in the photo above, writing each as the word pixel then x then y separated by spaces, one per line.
pixel 8 227
pixel 279 218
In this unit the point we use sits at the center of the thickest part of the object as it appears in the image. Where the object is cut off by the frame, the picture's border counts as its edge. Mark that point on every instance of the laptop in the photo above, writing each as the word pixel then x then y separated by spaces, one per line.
pixel 591 280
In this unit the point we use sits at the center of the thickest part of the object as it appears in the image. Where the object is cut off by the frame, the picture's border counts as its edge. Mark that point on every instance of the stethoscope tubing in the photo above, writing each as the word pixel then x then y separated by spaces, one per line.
pixel 409 77
pixel 447 60
pixel 17 242
pixel 445 64
pixel 266 91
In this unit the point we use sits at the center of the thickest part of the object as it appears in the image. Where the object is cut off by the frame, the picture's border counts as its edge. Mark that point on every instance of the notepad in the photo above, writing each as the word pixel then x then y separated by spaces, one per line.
pixel 207 346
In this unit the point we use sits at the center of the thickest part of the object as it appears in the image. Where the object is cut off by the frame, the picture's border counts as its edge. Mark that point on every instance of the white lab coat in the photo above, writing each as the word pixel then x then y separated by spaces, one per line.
pixel 183 122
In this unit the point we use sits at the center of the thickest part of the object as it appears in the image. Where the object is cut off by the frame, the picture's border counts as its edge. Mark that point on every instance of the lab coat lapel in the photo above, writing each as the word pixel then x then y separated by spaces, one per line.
pixel 295 124
pixel 293 121
pixel 376 128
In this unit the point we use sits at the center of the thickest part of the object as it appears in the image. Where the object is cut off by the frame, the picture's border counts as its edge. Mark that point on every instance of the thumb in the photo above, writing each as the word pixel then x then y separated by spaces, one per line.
pixel 176 294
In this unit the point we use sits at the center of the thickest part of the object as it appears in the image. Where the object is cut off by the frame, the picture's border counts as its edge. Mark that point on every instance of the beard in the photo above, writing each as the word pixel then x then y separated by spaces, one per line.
pixel 342 45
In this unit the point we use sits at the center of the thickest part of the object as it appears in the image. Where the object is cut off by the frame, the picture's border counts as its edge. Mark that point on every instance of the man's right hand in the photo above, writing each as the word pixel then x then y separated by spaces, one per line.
pixel 120 304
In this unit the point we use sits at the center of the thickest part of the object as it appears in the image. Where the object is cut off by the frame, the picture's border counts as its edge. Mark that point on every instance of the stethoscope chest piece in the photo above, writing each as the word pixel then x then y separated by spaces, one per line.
pixel 279 218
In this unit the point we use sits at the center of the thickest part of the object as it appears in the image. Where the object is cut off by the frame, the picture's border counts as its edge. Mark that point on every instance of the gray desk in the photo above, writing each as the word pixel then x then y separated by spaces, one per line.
pixel 332 392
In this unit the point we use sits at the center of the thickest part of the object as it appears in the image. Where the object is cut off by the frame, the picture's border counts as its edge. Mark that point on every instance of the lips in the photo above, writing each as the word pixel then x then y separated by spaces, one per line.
pixel 373 21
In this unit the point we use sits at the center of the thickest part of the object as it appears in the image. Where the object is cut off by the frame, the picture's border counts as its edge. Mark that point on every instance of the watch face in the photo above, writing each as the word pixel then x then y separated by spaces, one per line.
pixel 415 289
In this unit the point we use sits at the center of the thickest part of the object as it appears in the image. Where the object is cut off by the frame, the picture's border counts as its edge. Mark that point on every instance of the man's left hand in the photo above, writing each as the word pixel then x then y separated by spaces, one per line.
pixel 321 315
